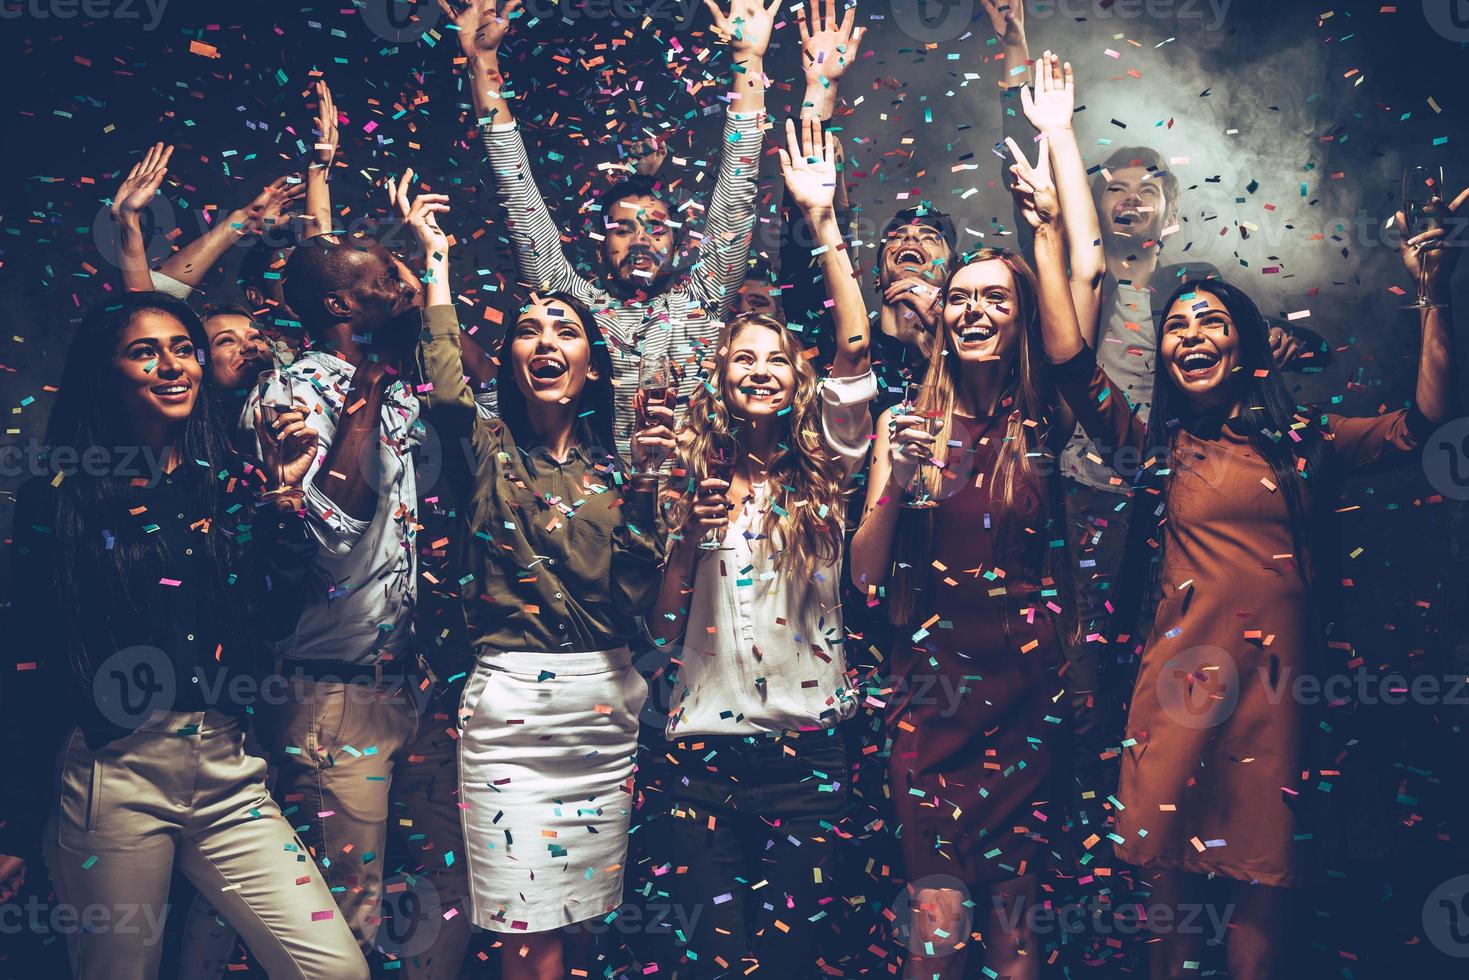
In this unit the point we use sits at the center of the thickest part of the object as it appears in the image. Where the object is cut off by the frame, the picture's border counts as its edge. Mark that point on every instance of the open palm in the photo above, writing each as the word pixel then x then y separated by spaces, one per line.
pixel 747 27
pixel 142 182
pixel 1050 106
pixel 809 166
pixel 482 24
pixel 828 47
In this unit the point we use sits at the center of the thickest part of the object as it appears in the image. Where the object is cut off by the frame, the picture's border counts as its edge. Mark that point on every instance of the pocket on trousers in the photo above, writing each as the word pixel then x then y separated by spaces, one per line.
pixel 474 690
pixel 80 801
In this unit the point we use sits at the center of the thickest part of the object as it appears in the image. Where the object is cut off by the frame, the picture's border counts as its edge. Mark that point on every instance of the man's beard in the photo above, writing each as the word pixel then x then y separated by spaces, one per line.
pixel 631 286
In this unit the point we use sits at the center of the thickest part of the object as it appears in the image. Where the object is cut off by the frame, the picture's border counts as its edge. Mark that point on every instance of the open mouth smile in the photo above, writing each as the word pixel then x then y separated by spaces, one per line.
pixel 175 393
pixel 976 334
pixel 1197 364
pixel 546 368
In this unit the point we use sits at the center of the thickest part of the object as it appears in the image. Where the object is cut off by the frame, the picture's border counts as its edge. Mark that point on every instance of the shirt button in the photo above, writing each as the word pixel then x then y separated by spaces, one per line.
pixel 562 627
pixel 558 595
pixel 191 636
pixel 188 551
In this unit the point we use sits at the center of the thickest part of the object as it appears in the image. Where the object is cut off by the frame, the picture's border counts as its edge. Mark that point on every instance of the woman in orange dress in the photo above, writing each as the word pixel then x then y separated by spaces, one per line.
pixel 1230 582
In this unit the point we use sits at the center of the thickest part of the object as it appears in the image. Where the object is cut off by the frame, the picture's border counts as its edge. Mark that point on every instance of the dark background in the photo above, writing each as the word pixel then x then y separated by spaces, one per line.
pixel 1287 125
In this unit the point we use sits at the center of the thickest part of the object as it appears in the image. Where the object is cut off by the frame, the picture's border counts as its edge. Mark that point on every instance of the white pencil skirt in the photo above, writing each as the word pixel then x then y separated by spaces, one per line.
pixel 546 750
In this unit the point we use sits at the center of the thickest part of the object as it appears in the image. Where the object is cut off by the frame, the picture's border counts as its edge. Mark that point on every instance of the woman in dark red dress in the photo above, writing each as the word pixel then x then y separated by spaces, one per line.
pixel 977 716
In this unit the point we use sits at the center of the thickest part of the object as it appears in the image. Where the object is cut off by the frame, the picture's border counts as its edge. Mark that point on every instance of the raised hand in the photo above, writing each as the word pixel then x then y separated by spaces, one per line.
pixel 1033 188
pixel 648 154
pixel 325 148
pixel 419 214
pixel 482 25
pixel 136 191
pixel 809 166
pixel 828 48
pixel 746 28
pixel 264 211
pixel 1007 17
pixel 1050 106
pixel 1429 259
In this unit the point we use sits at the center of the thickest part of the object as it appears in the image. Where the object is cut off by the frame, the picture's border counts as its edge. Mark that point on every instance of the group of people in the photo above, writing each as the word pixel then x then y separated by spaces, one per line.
pixel 1024 472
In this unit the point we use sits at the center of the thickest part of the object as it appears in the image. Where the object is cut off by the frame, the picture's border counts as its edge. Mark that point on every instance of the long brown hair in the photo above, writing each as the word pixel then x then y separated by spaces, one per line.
pixel 1030 399
pixel 805 479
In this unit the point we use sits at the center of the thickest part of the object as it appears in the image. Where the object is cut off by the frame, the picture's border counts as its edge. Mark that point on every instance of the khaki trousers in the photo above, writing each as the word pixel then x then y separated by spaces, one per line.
pixel 334 748
pixel 182 790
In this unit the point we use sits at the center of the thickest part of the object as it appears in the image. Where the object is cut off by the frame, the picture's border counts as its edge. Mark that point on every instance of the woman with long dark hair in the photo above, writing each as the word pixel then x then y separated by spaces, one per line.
pixel 561 555
pixel 1229 590
pixel 149 571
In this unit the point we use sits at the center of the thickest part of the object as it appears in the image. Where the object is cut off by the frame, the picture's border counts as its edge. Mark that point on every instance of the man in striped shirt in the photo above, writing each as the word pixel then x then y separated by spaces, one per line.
pixel 645 306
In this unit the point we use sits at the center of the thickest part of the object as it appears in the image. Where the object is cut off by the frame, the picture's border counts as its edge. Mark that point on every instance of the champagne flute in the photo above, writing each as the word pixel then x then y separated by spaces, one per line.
pixel 721 459
pixel 657 385
pixel 921 400
pixel 279 390
pixel 1423 208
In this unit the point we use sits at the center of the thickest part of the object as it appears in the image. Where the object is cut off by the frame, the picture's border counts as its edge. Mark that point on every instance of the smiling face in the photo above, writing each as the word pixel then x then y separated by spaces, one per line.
pixel 1201 350
pixel 914 250
pixel 1132 207
pixel 759 371
pixel 157 371
pixel 982 318
pixel 638 249
pixel 550 353
pixel 237 351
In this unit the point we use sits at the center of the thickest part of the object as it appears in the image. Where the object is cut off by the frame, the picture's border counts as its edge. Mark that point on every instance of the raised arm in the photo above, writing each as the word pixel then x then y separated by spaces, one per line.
pixel 1050 109
pixel 809 168
pixel 828 49
pixel 1007 17
pixel 319 214
pixel 127 206
pixel 1431 262
pixel 1036 199
pixel 539 254
pixel 420 216
pixel 191 263
pixel 730 220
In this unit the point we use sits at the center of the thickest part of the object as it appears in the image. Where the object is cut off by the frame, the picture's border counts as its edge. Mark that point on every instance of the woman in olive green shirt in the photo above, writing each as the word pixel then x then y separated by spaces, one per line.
pixel 561 555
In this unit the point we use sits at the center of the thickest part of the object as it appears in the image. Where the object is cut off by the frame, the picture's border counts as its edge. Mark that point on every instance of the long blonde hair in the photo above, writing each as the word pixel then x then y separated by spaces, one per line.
pixel 1029 399
pixel 803 525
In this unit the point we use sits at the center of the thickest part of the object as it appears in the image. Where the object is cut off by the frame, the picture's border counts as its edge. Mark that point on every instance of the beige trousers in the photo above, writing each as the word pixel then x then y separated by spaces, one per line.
pixel 181 790
pixel 334 748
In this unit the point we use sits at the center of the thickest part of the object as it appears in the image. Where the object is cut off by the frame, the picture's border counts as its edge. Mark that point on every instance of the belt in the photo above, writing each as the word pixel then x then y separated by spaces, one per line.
pixel 380 673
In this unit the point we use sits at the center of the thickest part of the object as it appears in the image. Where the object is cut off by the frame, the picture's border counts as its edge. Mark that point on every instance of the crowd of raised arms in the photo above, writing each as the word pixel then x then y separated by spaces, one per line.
pixel 1033 481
